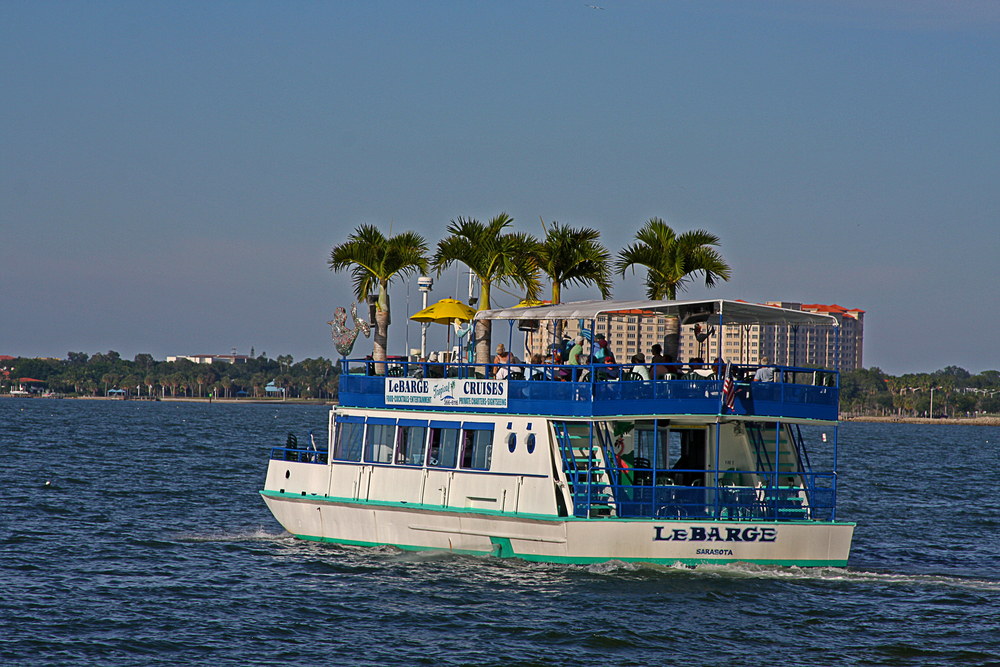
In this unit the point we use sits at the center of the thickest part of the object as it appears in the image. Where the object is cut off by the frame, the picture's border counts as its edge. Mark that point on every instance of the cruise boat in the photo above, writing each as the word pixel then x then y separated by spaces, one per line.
pixel 578 464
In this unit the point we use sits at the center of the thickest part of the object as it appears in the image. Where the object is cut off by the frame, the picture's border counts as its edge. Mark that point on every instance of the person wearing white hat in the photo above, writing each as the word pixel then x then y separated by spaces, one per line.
pixel 576 351
pixel 434 369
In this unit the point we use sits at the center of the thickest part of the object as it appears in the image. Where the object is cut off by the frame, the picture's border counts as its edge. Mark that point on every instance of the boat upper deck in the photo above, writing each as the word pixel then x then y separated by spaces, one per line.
pixel 599 389
pixel 584 391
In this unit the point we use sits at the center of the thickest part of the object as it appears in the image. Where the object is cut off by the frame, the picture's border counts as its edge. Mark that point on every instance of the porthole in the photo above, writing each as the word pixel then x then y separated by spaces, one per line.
pixel 288 473
pixel 511 442
pixel 530 443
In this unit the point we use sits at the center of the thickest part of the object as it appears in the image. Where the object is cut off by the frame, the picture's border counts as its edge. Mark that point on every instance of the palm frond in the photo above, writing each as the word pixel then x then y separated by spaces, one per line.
pixel 375 260
pixel 671 260
pixel 575 256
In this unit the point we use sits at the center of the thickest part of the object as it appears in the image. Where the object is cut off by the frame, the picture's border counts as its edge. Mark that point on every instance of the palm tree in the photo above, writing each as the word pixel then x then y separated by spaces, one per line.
pixel 129 382
pixel 205 378
pixel 375 261
pixel 109 378
pixel 569 255
pixel 495 257
pixel 284 361
pixel 670 262
pixel 257 381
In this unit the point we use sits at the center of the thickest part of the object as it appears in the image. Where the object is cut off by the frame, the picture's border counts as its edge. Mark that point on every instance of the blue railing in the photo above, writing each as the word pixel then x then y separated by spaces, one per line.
pixel 812 502
pixel 299 455
pixel 605 390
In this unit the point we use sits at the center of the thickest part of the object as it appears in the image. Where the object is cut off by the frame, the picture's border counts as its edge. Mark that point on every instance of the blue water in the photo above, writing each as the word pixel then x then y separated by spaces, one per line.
pixel 152 547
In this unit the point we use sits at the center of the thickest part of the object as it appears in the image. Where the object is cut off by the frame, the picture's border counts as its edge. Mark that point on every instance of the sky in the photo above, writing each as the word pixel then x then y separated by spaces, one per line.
pixel 173 175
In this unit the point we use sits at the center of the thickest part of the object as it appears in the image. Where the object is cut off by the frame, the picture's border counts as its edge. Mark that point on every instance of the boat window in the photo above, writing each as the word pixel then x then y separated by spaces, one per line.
pixel 688 444
pixel 651 448
pixel 378 443
pixel 443 449
pixel 347 446
pixel 477 449
pixel 410 442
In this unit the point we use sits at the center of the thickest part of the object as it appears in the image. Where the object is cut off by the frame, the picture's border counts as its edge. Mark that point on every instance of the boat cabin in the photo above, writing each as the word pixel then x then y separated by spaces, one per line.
pixel 591 442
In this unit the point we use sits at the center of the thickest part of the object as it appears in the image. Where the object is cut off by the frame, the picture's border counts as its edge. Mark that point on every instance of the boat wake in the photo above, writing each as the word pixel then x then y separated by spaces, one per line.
pixel 613 567
pixel 831 574
pixel 258 535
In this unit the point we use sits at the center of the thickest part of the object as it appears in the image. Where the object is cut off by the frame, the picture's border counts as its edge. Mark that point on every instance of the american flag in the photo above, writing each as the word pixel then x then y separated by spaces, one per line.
pixel 729 388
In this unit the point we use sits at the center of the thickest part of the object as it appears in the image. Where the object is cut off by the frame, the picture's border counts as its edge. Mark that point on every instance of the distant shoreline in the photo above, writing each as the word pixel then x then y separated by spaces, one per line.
pixel 966 421
pixel 187 399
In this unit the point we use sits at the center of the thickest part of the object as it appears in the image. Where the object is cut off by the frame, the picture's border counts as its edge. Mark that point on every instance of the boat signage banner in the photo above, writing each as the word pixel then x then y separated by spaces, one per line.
pixel 453 392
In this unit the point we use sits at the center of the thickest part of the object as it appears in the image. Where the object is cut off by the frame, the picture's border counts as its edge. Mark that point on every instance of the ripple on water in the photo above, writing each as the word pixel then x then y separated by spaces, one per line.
pixel 152 546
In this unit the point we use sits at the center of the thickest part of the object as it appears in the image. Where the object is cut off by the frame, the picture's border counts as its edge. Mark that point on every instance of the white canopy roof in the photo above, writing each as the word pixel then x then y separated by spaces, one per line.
pixel 689 312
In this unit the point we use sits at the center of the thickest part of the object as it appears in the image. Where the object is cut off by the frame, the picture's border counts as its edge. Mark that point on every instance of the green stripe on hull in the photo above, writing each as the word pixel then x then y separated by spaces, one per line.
pixel 503 549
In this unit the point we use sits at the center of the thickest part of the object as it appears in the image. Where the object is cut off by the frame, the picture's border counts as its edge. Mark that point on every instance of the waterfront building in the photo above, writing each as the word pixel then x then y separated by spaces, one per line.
pixel 212 358
pixel 791 345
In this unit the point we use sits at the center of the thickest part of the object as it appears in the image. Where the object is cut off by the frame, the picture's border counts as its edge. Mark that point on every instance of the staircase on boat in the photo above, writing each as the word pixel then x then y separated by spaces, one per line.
pixel 782 491
pixel 583 451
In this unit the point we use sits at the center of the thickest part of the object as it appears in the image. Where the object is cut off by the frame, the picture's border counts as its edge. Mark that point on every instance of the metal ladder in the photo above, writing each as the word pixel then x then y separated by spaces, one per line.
pixel 582 465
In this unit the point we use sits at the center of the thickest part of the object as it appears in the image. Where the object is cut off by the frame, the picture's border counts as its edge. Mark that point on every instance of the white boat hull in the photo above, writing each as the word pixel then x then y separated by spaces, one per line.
pixel 565 540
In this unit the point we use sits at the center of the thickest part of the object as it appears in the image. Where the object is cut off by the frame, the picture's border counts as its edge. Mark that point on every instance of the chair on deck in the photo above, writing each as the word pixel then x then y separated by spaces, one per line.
pixel 641 474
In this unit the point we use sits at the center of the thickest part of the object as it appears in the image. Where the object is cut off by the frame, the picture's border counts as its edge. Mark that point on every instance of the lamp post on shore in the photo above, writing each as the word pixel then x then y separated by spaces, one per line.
pixel 424 284
pixel 931 413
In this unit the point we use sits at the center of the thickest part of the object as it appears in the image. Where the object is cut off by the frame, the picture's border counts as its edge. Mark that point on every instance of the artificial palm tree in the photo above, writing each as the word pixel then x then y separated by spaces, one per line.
pixel 569 255
pixel 671 261
pixel 494 256
pixel 375 261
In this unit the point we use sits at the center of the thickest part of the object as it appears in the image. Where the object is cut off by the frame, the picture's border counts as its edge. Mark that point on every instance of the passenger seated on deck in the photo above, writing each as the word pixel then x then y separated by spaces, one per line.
pixel 560 374
pixel 536 372
pixel 575 351
pixel 608 368
pixel 765 373
pixel 434 369
pixel 639 366
pixel 503 358
pixel 418 371
pixel 697 370
pixel 597 348
pixel 659 362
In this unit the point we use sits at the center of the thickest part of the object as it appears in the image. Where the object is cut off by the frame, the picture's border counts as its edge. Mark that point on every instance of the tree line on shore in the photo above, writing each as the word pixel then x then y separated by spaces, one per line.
pixel 867 391
pixel 956 393
pixel 96 375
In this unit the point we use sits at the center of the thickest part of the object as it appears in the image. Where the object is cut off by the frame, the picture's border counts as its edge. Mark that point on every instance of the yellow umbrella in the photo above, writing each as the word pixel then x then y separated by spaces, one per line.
pixel 445 311
pixel 531 303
